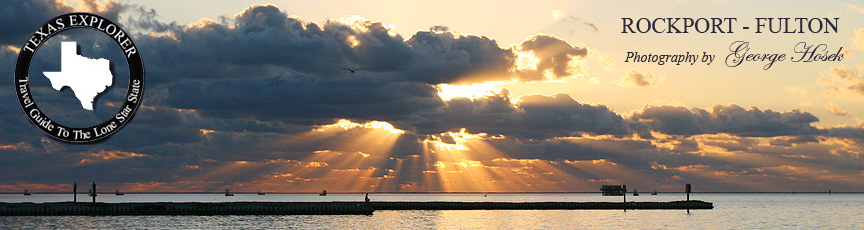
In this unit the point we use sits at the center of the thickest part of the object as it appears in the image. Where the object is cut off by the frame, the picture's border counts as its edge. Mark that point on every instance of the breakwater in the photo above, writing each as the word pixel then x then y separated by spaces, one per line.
pixel 311 208
pixel 186 208
pixel 693 204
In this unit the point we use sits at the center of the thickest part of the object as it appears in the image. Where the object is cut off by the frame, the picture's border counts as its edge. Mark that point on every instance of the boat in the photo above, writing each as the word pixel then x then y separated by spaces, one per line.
pixel 323 193
pixel 635 193
pixel 118 193
pixel 228 192
pixel 261 193
pixel 654 193
pixel 26 193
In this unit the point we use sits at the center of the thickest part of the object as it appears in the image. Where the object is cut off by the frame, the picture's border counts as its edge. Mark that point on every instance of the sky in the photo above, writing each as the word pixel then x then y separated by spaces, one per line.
pixel 453 96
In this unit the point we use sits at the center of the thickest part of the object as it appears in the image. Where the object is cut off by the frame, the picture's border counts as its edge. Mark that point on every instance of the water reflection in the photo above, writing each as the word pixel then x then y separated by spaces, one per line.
pixel 807 211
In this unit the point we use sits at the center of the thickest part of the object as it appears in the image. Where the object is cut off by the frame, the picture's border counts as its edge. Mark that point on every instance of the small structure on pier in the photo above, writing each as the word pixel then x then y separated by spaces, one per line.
pixel 93 192
pixel 612 190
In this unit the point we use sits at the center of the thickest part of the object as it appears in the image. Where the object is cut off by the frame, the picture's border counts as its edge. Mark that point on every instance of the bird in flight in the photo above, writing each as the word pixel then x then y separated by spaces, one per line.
pixel 352 70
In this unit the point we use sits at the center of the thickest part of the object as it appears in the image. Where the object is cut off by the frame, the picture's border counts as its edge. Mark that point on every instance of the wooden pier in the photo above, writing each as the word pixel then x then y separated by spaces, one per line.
pixel 312 208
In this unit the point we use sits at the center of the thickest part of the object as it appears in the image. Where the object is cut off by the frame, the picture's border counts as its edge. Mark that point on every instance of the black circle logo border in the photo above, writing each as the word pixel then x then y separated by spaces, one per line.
pixel 110 126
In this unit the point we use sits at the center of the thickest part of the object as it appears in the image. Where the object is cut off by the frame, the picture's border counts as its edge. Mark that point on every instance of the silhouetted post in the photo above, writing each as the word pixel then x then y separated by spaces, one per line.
pixel 687 190
pixel 625 192
pixel 93 194
pixel 625 196
pixel 829 192
pixel 75 192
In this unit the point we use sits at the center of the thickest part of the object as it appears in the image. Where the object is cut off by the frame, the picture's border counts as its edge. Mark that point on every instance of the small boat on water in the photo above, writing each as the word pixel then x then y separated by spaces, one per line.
pixel 635 193
pixel 26 193
pixel 228 192
pixel 118 193
pixel 261 193
pixel 654 193
pixel 323 193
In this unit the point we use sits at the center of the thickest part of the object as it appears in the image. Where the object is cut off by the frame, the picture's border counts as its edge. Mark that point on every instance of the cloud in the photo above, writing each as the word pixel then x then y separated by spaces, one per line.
pixel 141 19
pixel 793 140
pixel 636 78
pixel 854 7
pixel 553 58
pixel 21 17
pixel 433 57
pixel 603 59
pixel 858 40
pixel 844 82
pixel 560 15
pixel 730 119
pixel 797 90
pixel 835 109
pixel 533 117
pixel 303 82
pixel 90 158
pixel 439 28
pixel 591 27
pixel 449 57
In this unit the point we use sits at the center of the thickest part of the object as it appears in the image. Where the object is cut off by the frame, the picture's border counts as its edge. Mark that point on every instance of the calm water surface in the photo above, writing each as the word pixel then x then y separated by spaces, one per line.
pixel 732 211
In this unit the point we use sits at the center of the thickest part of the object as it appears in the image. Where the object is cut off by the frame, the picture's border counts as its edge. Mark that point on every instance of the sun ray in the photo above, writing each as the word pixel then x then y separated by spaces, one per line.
pixel 476 90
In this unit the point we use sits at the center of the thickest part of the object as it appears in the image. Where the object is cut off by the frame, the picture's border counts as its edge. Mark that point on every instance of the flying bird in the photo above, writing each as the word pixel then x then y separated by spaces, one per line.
pixel 353 70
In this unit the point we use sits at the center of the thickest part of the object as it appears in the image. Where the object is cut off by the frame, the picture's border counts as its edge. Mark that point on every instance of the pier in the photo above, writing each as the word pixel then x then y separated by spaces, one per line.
pixel 186 208
pixel 693 204
pixel 312 208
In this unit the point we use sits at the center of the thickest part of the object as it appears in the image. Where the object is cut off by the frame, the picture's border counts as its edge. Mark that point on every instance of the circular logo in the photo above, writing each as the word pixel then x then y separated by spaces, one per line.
pixel 85 76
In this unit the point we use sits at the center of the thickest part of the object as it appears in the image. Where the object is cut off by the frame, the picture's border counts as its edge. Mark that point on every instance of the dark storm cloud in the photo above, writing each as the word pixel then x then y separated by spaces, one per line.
pixel 731 119
pixel 853 133
pixel 534 116
pixel 303 100
pixel 264 41
pixel 446 57
pixel 21 17
pixel 269 66
pixel 562 113
pixel 8 58
pixel 792 140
